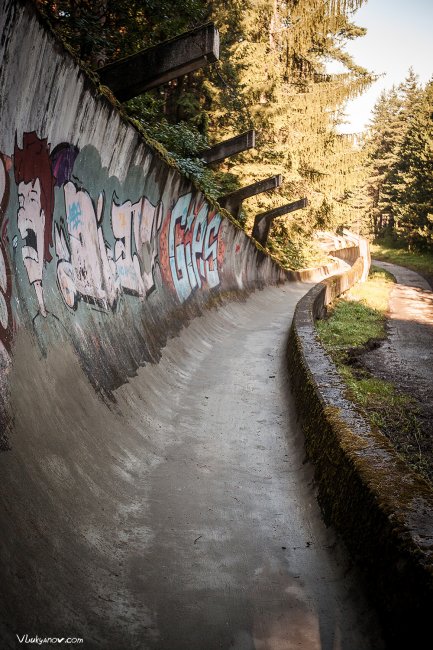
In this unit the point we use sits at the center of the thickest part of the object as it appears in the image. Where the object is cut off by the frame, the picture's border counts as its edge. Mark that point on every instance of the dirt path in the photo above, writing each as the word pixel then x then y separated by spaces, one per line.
pixel 406 358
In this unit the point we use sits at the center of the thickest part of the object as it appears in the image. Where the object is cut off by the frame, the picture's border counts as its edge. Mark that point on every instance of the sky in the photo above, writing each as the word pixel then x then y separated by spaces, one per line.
pixel 399 35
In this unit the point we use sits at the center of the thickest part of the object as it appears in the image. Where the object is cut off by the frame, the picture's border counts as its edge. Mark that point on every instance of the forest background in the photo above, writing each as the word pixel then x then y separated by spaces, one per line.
pixel 273 76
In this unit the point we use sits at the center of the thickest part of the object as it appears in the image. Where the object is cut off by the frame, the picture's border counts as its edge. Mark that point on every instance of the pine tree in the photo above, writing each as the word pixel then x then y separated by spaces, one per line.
pixel 414 199
pixel 400 164
pixel 382 148
pixel 275 65
pixel 409 93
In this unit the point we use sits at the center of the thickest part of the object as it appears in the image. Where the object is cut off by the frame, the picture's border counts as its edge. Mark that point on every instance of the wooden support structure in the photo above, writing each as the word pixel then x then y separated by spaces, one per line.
pixel 156 65
pixel 229 147
pixel 263 222
pixel 233 201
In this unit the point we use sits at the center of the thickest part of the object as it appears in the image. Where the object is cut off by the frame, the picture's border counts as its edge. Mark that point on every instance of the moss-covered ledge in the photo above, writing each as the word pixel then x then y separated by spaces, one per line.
pixel 382 509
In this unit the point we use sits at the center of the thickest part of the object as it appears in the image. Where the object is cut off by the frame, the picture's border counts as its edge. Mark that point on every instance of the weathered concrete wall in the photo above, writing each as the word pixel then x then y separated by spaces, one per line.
pixel 99 235
pixel 349 255
pixel 382 509
pixel 355 241
pixel 347 247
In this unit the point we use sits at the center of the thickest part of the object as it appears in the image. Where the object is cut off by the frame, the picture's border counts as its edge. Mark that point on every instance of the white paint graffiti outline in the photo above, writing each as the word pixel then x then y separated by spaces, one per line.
pixel 136 223
pixel 86 265
pixel 85 268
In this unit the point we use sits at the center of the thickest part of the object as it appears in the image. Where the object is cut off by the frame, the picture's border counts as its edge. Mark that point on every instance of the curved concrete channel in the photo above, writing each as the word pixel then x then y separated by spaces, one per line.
pixel 182 515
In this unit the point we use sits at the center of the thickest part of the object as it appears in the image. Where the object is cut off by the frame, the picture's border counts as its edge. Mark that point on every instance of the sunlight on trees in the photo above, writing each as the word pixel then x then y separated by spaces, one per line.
pixel 399 161
pixel 272 76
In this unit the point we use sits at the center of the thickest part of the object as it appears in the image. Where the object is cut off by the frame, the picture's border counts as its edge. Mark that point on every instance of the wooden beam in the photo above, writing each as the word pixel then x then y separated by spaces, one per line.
pixel 232 202
pixel 229 147
pixel 156 65
pixel 263 222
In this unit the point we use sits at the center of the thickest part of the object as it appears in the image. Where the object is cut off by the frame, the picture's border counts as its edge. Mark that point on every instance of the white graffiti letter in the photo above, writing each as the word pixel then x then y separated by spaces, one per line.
pixel 211 251
pixel 176 251
pixel 146 227
pixel 94 271
pixel 123 217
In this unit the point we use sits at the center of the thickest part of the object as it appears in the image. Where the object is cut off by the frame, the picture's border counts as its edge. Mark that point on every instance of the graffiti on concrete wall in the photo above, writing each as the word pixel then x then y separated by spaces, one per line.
pixel 135 228
pixel 102 238
pixel 89 267
pixel 6 322
pixel 193 246
pixel 85 268
pixel 35 185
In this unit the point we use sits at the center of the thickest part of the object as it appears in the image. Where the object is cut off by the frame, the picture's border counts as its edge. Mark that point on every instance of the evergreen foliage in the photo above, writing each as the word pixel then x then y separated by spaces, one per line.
pixel 399 150
pixel 272 76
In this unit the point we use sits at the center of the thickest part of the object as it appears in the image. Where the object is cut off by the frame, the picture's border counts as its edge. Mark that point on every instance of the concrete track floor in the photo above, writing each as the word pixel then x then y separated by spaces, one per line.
pixel 182 517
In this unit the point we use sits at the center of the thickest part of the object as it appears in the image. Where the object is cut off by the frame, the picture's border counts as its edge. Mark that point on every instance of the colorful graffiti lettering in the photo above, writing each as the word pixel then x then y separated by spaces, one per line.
pixel 193 246
pixel 136 226
pixel 94 267
pixel 123 218
pixel 85 267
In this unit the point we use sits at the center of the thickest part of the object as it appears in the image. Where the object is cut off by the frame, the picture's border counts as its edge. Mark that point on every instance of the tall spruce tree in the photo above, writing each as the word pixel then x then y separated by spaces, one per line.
pixel 272 75
pixel 409 93
pixel 400 164
pixel 385 134
pixel 275 65
pixel 414 174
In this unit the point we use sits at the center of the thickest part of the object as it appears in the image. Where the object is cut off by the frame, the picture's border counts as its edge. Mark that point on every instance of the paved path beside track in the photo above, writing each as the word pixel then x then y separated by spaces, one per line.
pixel 182 517
pixel 406 358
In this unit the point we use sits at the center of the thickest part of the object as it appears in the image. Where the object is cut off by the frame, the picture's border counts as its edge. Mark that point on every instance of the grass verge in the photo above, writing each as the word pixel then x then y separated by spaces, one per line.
pixel 356 323
pixel 420 262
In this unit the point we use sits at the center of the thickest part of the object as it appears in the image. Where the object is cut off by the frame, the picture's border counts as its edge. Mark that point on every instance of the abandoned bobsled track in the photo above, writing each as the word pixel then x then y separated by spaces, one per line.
pixel 180 515
pixel 154 492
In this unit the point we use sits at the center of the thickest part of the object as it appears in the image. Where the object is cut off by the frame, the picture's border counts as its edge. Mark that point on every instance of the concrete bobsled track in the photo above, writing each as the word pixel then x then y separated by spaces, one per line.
pixel 153 486
pixel 181 515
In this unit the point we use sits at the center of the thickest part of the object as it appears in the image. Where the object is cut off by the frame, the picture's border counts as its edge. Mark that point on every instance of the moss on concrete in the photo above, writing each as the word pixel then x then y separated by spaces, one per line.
pixel 383 511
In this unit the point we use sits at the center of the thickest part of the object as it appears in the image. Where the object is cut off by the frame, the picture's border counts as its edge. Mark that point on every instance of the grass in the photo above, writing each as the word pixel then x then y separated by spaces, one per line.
pixel 350 325
pixel 355 323
pixel 417 261
pixel 360 316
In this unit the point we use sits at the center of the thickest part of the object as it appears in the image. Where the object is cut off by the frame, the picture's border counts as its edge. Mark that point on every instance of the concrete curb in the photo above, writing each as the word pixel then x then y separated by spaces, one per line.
pixel 382 509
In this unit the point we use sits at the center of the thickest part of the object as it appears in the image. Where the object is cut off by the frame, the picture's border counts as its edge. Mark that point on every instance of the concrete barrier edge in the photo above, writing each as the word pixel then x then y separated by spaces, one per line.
pixel 381 508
